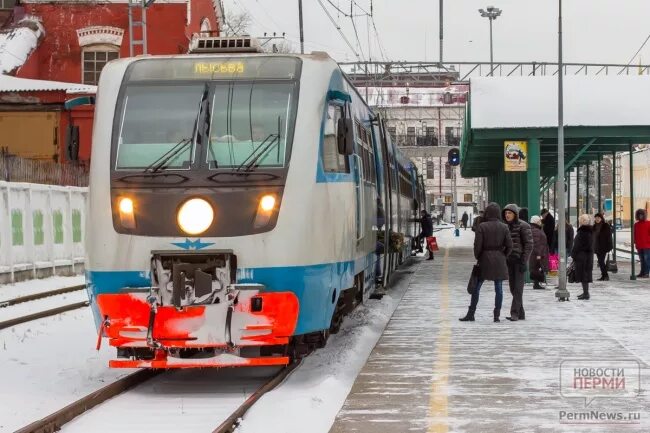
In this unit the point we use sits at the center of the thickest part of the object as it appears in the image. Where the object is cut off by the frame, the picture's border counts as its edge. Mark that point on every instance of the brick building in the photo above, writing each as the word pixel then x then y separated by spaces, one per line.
pixel 71 41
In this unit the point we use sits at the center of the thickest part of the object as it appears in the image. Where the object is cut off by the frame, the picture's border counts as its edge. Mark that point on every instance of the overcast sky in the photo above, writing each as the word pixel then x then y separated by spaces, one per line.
pixel 598 31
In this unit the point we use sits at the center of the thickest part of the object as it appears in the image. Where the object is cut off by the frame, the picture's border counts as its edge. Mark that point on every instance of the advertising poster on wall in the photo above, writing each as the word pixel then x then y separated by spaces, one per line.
pixel 515 156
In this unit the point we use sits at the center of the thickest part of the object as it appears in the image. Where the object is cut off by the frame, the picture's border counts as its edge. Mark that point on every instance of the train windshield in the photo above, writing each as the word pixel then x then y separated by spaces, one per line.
pixel 241 111
pixel 250 124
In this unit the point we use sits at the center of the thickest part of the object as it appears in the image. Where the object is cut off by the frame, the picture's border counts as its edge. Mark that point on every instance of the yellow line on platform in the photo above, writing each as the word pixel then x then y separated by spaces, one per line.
pixel 438 397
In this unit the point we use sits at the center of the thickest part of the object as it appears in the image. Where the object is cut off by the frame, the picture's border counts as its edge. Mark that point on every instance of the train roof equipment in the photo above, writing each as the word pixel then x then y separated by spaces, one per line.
pixel 227 44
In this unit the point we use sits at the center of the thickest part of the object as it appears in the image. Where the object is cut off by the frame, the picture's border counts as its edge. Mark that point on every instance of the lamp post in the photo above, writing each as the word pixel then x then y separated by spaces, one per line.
pixel 562 293
pixel 491 13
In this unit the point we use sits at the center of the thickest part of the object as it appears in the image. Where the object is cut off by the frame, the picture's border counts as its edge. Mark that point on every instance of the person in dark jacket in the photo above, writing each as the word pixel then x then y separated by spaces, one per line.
pixel 478 220
pixel 602 243
pixel 582 254
pixel 464 220
pixel 522 247
pixel 426 230
pixel 549 226
pixel 492 245
pixel 538 263
pixel 568 233
pixel 523 214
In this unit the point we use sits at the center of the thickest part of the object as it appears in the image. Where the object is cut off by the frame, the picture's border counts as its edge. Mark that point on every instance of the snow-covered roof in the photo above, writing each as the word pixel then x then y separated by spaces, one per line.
pixel 14 84
pixel 532 102
pixel 17 43
pixel 417 96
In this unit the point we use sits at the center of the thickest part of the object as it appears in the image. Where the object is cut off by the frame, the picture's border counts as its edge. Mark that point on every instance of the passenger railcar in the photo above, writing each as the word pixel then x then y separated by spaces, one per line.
pixel 235 205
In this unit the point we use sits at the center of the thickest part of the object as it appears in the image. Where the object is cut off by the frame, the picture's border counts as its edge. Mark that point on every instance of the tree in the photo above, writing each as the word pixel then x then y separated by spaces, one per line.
pixel 236 24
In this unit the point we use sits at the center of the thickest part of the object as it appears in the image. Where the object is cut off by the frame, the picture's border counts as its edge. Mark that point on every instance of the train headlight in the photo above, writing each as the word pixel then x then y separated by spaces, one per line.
pixel 267 203
pixel 127 216
pixel 195 216
pixel 265 210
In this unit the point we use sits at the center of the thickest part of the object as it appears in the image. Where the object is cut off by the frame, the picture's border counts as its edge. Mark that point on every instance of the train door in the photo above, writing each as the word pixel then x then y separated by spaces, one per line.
pixel 386 201
pixel 359 183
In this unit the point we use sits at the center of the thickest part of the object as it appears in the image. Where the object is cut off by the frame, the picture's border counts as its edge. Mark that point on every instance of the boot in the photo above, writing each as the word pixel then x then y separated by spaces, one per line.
pixel 537 286
pixel 430 255
pixel 469 317
pixel 497 312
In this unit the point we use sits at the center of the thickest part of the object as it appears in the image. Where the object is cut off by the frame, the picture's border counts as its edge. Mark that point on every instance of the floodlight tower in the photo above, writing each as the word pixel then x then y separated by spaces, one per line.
pixel 492 14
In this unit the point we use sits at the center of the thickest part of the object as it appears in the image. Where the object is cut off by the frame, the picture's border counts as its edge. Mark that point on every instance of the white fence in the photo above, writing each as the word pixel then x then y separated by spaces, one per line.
pixel 42 228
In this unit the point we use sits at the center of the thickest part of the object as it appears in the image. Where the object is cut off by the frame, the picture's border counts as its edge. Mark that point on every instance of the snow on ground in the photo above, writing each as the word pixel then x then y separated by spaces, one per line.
pixel 23 288
pixel 177 401
pixel 25 308
pixel 49 363
pixel 310 398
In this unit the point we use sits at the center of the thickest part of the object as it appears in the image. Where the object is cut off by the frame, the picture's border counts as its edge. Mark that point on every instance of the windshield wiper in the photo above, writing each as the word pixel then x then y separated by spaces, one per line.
pixel 167 157
pixel 257 154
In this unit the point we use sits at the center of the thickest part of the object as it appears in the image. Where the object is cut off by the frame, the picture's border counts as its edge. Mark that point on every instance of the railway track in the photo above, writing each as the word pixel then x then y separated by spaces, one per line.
pixel 44 313
pixel 55 421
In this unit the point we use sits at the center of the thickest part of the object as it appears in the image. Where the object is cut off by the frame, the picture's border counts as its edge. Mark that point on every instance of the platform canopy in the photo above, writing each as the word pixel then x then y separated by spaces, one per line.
pixel 602 115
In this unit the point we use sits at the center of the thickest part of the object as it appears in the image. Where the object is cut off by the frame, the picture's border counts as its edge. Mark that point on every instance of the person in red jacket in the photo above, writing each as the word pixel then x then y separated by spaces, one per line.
pixel 642 241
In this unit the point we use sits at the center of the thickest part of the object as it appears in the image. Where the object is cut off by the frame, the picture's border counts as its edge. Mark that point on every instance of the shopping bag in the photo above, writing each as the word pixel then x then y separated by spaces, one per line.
pixel 611 265
pixel 474 279
pixel 554 262
pixel 537 272
pixel 432 243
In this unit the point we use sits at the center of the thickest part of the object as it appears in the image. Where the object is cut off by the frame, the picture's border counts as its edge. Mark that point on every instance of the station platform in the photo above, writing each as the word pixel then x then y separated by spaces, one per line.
pixel 429 372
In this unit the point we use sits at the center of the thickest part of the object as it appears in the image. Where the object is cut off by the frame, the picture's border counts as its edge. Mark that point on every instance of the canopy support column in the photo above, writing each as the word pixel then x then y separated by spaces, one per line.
pixel 632 275
pixel 614 201
pixel 533 179
pixel 600 189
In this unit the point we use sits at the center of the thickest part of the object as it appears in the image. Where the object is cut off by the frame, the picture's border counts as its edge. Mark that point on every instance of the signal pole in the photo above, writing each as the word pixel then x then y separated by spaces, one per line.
pixel 302 37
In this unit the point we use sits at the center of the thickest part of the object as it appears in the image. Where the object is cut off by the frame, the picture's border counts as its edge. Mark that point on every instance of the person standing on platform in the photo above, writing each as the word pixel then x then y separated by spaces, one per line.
pixel 464 220
pixel 492 245
pixel 569 234
pixel 582 254
pixel 522 247
pixel 602 244
pixel 642 241
pixel 523 214
pixel 426 230
pixel 478 220
pixel 539 257
pixel 549 226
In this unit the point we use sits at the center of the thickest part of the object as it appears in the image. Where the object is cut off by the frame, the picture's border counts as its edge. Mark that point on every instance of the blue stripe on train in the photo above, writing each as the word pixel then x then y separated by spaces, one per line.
pixel 314 286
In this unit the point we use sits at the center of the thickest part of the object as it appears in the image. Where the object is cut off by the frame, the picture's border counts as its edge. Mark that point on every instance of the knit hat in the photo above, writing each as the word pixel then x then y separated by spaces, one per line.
pixel 535 219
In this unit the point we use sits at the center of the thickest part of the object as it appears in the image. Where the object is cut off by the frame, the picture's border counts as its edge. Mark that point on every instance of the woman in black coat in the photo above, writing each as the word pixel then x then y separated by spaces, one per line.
pixel 602 244
pixel 538 263
pixel 583 255
pixel 492 245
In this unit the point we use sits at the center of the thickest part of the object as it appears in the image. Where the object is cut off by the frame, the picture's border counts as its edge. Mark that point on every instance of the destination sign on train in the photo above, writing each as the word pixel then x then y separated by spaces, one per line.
pixel 226 68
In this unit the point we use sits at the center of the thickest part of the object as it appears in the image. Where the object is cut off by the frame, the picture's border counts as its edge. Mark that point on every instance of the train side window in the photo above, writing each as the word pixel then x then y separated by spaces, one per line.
pixel 333 161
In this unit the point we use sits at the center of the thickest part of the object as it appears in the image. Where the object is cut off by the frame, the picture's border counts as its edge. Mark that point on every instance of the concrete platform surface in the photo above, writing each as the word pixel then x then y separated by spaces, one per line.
pixel 431 373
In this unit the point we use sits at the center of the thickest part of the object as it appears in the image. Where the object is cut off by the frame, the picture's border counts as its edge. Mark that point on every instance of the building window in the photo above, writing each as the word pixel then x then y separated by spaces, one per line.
pixel 392 131
pixel 7 5
pixel 431 131
pixel 206 27
pixel 430 169
pixel 447 171
pixel 449 198
pixel 468 198
pixel 94 60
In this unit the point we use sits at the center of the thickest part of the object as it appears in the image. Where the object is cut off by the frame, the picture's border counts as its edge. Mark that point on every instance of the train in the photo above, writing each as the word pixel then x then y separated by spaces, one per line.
pixel 240 204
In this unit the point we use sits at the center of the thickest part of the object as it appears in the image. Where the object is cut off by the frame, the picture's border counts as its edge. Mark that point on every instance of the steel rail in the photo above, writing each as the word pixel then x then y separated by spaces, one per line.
pixel 36 296
pixel 55 421
pixel 42 314
pixel 232 422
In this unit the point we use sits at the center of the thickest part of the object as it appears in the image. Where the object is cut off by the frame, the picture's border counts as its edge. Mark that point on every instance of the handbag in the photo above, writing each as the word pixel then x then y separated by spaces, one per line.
pixel 611 265
pixel 571 273
pixel 474 279
pixel 432 243
pixel 537 272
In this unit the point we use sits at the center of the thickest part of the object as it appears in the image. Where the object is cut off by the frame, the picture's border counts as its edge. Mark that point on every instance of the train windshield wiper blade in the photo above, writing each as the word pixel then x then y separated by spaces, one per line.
pixel 256 155
pixel 167 157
